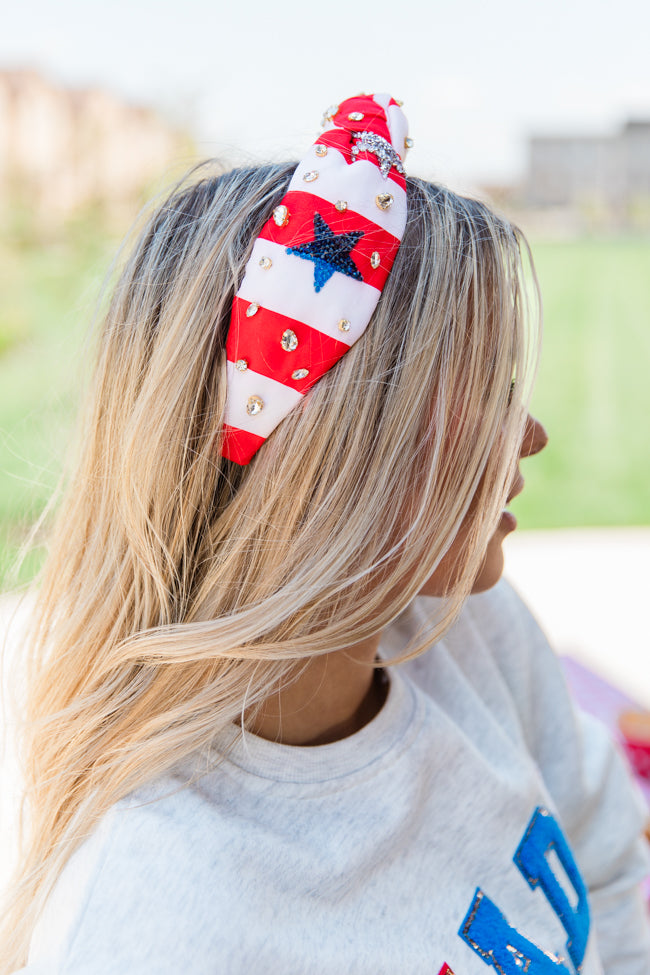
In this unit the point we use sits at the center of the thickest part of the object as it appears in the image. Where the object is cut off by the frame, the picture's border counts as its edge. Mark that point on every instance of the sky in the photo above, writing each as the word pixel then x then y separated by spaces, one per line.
pixel 252 78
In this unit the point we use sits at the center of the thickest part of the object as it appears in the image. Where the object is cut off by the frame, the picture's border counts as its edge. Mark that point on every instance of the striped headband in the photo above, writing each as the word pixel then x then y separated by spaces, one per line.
pixel 317 269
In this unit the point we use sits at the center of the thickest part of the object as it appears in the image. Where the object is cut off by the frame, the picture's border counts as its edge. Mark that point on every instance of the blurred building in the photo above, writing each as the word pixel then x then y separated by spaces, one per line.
pixel 605 177
pixel 61 149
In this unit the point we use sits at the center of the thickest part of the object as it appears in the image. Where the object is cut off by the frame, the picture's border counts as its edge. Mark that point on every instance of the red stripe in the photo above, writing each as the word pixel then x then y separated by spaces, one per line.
pixel 300 230
pixel 338 139
pixel 374 116
pixel 257 340
pixel 239 445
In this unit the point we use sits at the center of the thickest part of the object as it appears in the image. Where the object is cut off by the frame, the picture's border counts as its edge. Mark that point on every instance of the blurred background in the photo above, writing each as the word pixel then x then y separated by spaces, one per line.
pixel 541 109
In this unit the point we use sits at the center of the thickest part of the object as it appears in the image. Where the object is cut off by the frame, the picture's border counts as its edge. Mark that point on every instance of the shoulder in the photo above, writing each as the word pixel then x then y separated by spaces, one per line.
pixel 495 659
pixel 494 627
pixel 506 625
pixel 140 894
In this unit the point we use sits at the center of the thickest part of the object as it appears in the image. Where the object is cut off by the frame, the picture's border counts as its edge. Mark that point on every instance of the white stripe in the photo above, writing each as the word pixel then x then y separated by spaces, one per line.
pixel 382 99
pixel 287 287
pixel 398 126
pixel 278 400
pixel 356 183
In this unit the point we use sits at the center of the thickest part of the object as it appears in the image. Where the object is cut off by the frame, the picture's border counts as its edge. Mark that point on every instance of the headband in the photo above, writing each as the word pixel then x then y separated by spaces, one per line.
pixel 317 269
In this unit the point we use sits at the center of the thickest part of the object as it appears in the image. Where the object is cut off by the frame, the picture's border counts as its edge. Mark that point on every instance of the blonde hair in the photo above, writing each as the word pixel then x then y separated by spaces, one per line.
pixel 180 588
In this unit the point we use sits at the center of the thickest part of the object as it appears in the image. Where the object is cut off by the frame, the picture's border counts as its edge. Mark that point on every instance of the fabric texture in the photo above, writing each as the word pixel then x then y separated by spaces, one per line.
pixel 317 268
pixel 477 823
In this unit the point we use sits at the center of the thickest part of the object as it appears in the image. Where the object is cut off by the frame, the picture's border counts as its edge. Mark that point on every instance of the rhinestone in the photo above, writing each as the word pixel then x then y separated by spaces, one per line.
pixel 341 205
pixel 300 373
pixel 408 143
pixel 241 365
pixel 265 262
pixel 254 405
pixel 355 116
pixel 289 340
pixel 355 150
pixel 344 325
pixel 281 216
pixel 384 201
pixel 252 309
pixel 310 176
pixel 386 155
pixel 398 101
pixel 329 114
pixel 321 150
pixel 375 259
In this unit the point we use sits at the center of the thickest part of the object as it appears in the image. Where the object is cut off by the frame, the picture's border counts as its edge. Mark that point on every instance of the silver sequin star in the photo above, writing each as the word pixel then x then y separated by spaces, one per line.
pixel 381 148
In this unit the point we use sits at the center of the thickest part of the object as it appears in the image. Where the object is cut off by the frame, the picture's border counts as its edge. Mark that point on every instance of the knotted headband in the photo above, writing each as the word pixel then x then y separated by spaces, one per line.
pixel 317 269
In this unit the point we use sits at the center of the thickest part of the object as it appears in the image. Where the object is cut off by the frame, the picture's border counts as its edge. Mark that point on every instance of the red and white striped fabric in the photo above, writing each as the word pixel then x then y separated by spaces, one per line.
pixel 317 268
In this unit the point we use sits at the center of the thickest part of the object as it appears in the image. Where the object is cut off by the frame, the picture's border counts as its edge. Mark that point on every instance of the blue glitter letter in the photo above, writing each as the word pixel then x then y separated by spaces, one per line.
pixel 542 836
pixel 487 932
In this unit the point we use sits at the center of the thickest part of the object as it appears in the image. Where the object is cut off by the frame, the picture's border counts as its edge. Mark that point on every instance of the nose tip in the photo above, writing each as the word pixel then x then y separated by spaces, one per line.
pixel 535 438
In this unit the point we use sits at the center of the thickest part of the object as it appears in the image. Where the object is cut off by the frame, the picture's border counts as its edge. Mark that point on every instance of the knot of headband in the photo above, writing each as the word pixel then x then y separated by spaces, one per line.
pixel 317 269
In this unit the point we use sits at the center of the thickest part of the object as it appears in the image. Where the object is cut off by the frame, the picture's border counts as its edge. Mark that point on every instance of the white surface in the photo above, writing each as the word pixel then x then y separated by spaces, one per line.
pixel 589 590
pixel 358 183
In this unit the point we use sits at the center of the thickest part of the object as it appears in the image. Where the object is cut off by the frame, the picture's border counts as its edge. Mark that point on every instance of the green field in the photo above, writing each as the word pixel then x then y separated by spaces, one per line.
pixel 592 394
pixel 48 295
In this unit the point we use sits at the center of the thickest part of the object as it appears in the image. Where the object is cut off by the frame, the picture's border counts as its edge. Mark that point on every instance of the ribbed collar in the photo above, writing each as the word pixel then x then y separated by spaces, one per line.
pixel 323 763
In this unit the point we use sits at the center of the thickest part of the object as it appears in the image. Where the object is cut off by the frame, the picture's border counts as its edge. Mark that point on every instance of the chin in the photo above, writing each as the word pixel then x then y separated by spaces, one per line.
pixel 491 570
pixel 488 575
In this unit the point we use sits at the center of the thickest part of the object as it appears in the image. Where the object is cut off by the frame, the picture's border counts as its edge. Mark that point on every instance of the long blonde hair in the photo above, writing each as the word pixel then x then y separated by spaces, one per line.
pixel 180 588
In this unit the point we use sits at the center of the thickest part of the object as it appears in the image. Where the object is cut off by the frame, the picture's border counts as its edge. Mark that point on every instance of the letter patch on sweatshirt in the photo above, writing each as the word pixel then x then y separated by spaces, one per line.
pixel 489 934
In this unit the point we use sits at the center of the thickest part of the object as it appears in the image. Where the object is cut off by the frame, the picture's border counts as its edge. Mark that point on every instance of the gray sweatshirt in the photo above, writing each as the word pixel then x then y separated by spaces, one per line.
pixel 476 823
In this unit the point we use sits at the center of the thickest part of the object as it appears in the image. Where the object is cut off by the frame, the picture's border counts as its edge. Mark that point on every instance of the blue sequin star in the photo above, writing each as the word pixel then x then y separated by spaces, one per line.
pixel 330 252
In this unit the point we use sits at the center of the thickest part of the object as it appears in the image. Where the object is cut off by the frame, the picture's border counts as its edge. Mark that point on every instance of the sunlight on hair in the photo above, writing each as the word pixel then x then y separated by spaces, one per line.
pixel 181 588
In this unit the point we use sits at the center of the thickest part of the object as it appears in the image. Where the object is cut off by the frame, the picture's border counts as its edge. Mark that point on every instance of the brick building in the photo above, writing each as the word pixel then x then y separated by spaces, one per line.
pixel 62 148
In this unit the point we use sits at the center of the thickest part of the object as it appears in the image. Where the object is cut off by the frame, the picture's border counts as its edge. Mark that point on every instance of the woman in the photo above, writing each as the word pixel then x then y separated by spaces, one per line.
pixel 225 770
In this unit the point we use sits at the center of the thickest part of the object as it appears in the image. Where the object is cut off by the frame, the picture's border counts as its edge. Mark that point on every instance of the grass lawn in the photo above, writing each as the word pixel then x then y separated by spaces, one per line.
pixel 592 393
pixel 48 296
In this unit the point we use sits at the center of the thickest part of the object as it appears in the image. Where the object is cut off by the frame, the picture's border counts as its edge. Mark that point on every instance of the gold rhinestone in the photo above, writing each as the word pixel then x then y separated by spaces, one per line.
pixel 344 325
pixel 252 309
pixel 329 114
pixel 375 259
pixel 241 365
pixel 289 340
pixel 281 216
pixel 321 150
pixel 408 143
pixel 299 373
pixel 384 201
pixel 265 262
pixel 310 176
pixel 355 116
pixel 398 101
pixel 254 405
pixel 341 205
